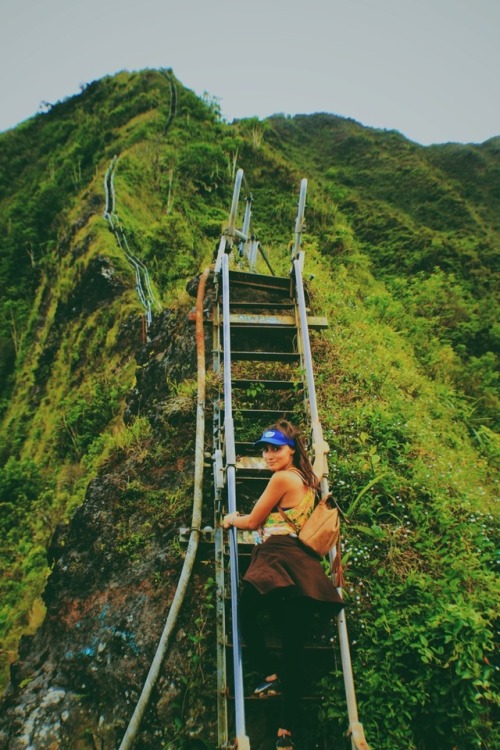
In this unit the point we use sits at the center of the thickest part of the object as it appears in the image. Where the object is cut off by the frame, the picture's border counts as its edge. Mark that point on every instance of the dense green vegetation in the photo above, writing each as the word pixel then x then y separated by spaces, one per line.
pixel 420 545
pixel 403 242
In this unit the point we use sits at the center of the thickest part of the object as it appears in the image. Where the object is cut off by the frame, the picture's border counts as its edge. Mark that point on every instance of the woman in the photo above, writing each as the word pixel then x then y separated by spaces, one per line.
pixel 284 575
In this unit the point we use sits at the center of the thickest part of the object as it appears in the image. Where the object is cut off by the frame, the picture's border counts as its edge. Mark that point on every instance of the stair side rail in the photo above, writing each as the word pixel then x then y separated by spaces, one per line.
pixel 230 233
pixel 300 223
pixel 244 246
pixel 242 739
pixel 219 535
pixel 321 449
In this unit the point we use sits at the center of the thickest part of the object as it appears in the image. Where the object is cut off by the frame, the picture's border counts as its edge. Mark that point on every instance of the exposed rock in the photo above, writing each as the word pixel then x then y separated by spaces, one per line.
pixel 115 570
pixel 169 356
pixel 99 283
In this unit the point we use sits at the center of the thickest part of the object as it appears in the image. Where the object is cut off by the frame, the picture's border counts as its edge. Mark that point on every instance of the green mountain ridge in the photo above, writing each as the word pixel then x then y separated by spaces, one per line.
pixel 98 418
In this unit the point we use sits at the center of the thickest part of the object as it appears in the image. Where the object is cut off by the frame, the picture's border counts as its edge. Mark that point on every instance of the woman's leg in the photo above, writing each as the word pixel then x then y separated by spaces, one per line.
pixel 296 616
pixel 252 604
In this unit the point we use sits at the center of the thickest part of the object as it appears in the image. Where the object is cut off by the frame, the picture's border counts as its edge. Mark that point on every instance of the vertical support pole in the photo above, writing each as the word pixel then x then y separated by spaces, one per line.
pixel 245 244
pixel 252 253
pixel 222 718
pixel 234 203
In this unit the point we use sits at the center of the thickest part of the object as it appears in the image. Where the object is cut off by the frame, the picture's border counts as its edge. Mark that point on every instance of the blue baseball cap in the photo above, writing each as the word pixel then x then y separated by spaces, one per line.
pixel 275 437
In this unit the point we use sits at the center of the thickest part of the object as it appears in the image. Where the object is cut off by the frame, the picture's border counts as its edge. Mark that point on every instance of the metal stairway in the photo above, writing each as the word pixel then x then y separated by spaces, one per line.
pixel 261 351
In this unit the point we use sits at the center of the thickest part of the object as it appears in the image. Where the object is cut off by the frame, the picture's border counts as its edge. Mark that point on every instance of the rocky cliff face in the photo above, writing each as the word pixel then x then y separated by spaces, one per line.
pixel 114 573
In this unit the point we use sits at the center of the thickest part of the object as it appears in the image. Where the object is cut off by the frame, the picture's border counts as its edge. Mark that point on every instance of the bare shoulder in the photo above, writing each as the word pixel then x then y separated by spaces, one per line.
pixel 287 479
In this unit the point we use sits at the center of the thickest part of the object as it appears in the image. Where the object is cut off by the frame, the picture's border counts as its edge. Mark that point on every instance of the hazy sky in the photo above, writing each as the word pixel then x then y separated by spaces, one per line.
pixel 428 68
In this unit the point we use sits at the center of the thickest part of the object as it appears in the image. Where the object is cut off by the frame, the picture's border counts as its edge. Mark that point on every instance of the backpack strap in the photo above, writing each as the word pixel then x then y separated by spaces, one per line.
pixel 288 520
pixel 338 569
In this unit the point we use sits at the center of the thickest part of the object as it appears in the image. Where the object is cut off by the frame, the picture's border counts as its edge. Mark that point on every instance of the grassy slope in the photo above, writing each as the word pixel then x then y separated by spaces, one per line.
pixel 394 232
pixel 431 236
pixel 419 547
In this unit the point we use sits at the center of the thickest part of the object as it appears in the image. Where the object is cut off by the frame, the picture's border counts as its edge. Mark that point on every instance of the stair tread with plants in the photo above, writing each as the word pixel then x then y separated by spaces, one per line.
pixel 255 280
pixel 265 356
pixel 263 385
pixel 263 321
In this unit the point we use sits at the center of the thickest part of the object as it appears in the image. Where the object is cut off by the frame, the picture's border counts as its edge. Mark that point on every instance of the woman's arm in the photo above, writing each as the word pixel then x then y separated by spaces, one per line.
pixel 278 485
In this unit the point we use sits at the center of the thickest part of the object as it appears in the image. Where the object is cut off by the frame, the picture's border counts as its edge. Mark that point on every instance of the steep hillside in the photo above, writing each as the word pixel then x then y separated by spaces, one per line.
pixel 427 220
pixel 98 410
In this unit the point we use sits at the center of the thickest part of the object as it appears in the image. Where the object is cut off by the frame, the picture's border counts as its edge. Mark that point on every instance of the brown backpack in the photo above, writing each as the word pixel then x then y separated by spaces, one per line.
pixel 321 532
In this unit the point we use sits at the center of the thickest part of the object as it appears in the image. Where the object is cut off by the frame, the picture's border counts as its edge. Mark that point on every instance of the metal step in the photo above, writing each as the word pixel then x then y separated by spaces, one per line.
pixel 247 320
pixel 257 414
pixel 254 463
pixel 251 305
pixel 265 356
pixel 265 698
pixel 254 479
pixel 275 283
pixel 244 320
pixel 265 385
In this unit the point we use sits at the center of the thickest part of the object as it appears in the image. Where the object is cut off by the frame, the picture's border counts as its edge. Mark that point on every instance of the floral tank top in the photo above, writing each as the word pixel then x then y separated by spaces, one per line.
pixel 275 524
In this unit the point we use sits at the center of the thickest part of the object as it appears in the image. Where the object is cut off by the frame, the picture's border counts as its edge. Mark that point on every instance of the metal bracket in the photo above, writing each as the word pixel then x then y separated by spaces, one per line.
pixel 206 534
pixel 357 734
pixel 218 470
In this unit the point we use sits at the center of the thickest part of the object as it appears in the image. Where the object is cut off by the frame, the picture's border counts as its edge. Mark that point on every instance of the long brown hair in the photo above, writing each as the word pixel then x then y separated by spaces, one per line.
pixel 300 458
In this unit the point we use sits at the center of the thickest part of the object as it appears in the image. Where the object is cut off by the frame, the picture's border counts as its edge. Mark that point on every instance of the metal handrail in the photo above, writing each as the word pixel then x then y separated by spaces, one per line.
pixel 299 222
pixel 245 229
pixel 321 448
pixel 190 558
pixel 226 240
pixel 146 296
pixel 234 203
pixel 241 737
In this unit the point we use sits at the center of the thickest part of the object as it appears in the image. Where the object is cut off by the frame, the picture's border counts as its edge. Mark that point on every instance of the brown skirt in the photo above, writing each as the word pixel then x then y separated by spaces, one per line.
pixel 282 562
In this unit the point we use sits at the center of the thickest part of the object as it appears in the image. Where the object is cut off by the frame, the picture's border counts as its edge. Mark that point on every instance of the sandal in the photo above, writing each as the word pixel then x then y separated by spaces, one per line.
pixel 268 687
pixel 285 742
